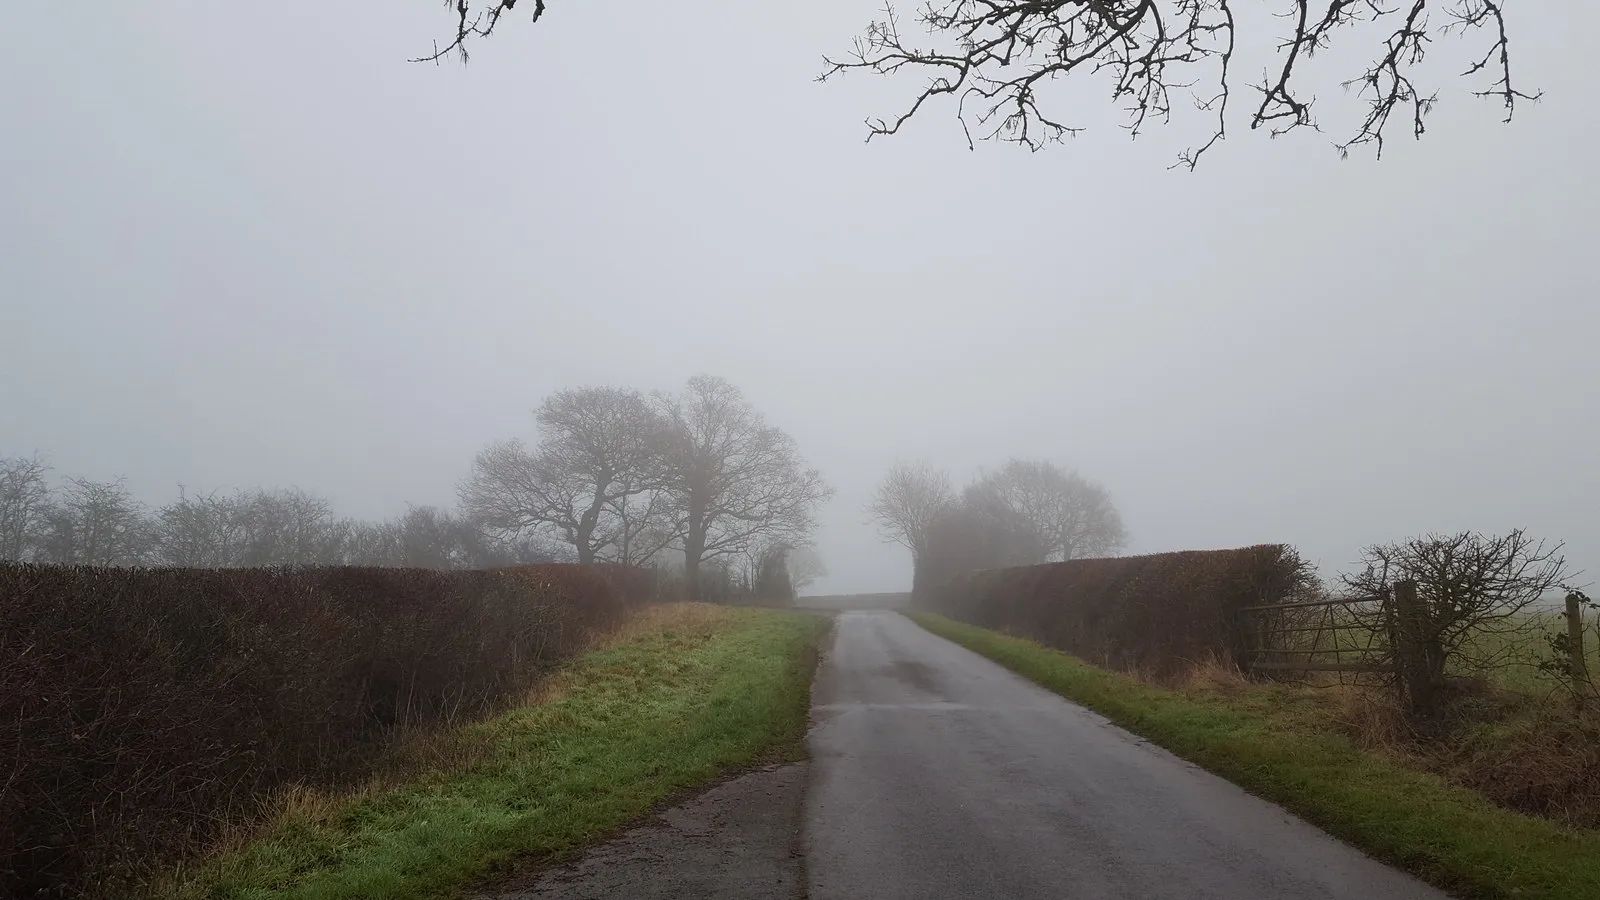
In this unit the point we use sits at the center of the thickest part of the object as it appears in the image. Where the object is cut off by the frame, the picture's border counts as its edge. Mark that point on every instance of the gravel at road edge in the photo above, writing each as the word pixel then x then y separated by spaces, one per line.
pixel 737 841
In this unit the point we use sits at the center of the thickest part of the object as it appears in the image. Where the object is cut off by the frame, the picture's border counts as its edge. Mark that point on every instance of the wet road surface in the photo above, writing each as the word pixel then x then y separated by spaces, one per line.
pixel 936 774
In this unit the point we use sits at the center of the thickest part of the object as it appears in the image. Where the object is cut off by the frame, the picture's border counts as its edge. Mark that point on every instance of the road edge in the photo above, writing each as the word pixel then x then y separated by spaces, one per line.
pixel 1447 836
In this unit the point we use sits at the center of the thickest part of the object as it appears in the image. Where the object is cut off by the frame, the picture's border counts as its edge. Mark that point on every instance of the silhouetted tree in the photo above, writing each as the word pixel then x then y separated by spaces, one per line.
pixel 95 523
pixel 24 506
pixel 427 537
pixel 598 447
pixel 805 567
pixel 202 530
pixel 912 496
pixel 966 537
pixel 738 481
pixel 289 526
pixel 1024 513
pixel 1063 515
pixel 997 60
pixel 772 582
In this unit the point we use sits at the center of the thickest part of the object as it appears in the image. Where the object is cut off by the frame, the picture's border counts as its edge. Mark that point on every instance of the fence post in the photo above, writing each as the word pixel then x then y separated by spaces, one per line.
pixel 1410 660
pixel 1243 621
pixel 1575 660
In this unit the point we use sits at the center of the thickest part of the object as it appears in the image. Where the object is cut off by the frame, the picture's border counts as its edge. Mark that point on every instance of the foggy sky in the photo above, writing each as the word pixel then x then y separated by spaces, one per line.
pixel 251 245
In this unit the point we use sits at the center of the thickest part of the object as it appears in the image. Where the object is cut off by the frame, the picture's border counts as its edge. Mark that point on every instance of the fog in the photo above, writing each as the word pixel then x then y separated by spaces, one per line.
pixel 253 245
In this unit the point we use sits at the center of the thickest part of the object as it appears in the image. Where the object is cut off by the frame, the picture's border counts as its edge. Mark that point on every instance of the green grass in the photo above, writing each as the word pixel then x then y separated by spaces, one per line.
pixel 692 696
pixel 1508 654
pixel 1449 836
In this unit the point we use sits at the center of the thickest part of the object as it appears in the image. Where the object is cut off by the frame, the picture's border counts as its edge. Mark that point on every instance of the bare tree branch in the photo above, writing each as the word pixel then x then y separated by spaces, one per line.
pixel 475 22
pixel 912 496
pixel 997 59
pixel 1000 54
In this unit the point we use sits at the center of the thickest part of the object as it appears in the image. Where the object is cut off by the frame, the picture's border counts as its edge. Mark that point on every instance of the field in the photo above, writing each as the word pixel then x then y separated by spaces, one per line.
pixel 1288 744
pixel 683 694
pixel 1508 655
pixel 854 601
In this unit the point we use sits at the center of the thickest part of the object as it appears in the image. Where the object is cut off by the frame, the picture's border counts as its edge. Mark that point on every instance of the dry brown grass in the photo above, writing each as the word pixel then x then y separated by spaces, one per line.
pixel 1542 759
pixel 1373 715
pixel 1215 675
pixel 1535 755
pixel 689 618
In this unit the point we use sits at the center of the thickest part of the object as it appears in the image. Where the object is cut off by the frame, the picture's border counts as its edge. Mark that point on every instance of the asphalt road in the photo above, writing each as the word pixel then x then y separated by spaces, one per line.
pixel 936 773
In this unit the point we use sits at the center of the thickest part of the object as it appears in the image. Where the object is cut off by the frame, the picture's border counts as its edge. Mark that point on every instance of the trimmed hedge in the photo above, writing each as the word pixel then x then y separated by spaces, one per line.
pixel 141 709
pixel 1155 614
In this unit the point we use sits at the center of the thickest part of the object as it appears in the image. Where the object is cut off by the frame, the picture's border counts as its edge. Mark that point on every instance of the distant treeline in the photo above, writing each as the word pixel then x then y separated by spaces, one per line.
pixel 696 481
pixel 81 521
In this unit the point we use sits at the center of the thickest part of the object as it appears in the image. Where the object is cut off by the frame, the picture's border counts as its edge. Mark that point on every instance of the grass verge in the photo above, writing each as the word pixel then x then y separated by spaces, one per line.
pixel 1447 835
pixel 681 696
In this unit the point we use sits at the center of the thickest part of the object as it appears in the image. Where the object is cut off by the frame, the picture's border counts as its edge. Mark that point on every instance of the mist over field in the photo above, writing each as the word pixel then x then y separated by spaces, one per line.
pixel 837 449
pixel 256 248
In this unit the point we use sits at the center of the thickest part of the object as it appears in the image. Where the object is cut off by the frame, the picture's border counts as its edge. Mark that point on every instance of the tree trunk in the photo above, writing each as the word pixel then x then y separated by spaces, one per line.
pixel 583 540
pixel 694 547
pixel 587 523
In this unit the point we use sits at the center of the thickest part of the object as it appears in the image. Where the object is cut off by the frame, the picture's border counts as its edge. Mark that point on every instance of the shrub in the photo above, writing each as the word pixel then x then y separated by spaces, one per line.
pixel 140 709
pixel 1158 614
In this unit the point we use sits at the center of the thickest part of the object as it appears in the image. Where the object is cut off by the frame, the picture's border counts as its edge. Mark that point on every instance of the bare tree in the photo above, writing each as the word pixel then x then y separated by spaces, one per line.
pixel 368 543
pixel 907 503
pixel 289 526
pixel 1066 515
pixel 1469 586
pixel 597 447
pixel 202 530
pixel 969 536
pixel 805 567
pixel 426 537
pixel 95 523
pixel 739 481
pixel 1024 513
pixel 24 505
pixel 998 59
